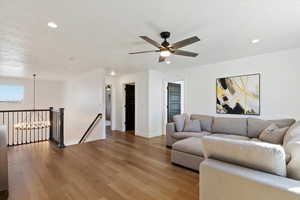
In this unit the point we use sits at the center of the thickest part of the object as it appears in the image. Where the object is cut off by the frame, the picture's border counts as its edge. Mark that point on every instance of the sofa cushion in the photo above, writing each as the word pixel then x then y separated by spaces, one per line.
pixel 192 126
pixel 179 121
pixel 205 120
pixel 287 155
pixel 256 155
pixel 183 135
pixel 256 126
pixel 291 144
pixel 283 122
pixel 287 158
pixel 233 126
pixel 273 134
pixel 255 140
pixel 293 134
pixel 190 145
pixel 236 137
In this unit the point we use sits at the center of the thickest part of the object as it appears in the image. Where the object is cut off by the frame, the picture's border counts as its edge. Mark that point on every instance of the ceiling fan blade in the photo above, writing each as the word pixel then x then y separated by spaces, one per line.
pixel 147 39
pixel 185 42
pixel 185 53
pixel 162 59
pixel 140 52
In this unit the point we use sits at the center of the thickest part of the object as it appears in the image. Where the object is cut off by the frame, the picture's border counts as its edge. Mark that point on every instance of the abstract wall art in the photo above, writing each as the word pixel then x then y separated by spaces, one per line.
pixel 238 95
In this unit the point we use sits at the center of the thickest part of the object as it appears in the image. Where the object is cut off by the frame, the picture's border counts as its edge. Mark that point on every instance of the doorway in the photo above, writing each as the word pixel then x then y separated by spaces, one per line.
pixel 175 99
pixel 130 107
pixel 108 106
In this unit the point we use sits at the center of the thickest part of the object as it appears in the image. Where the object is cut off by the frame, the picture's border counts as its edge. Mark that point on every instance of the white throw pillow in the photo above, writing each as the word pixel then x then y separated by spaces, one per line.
pixel 273 134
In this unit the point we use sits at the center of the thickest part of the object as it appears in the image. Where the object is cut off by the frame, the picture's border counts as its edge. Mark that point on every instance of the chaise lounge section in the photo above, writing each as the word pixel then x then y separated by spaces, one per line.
pixel 235 169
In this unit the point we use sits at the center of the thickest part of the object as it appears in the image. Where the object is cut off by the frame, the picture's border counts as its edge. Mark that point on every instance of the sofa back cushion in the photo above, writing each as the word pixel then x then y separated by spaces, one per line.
pixel 255 155
pixel 205 121
pixel 192 126
pixel 256 126
pixel 180 121
pixel 233 126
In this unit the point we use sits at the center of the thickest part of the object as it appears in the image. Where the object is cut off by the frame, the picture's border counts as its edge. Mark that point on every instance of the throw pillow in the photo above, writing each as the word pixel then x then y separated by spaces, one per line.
pixel 273 134
pixel 179 121
pixel 192 126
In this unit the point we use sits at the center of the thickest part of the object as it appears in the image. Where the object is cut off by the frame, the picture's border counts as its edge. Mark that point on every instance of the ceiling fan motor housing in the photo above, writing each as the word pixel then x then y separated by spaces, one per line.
pixel 165 35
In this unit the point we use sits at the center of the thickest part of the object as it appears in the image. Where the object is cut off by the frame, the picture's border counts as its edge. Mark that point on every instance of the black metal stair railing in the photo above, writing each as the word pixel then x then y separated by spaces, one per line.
pixel 56 134
pixel 30 126
pixel 90 128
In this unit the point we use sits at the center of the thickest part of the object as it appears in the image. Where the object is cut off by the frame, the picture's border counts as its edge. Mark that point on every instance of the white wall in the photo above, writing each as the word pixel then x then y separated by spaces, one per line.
pixel 83 100
pixel 155 103
pixel 279 83
pixel 141 102
pixel 48 93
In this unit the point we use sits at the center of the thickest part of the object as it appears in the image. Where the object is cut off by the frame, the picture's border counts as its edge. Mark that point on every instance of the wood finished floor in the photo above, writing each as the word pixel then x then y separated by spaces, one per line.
pixel 121 167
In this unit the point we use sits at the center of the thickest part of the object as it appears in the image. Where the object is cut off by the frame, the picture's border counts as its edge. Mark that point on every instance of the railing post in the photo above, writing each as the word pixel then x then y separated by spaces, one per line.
pixel 51 123
pixel 61 131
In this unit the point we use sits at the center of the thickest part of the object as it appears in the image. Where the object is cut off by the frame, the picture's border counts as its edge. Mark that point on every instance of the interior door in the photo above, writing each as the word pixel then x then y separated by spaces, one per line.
pixel 130 108
pixel 174 100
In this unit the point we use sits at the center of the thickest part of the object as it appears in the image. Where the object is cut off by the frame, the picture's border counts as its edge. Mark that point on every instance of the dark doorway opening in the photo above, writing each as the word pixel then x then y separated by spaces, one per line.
pixel 130 107
pixel 174 100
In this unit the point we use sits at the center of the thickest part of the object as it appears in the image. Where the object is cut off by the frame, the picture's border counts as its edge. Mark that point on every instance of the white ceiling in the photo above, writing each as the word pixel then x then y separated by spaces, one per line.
pixel 98 33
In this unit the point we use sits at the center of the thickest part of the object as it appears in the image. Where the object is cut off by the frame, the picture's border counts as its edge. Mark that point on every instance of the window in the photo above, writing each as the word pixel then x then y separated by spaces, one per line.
pixel 11 93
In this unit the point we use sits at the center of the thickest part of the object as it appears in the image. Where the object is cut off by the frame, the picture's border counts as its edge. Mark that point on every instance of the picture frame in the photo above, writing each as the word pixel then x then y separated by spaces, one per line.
pixel 239 95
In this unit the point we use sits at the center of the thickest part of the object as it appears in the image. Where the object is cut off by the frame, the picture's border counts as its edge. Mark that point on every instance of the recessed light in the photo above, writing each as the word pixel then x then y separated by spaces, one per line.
pixel 168 62
pixel 112 73
pixel 255 41
pixel 52 25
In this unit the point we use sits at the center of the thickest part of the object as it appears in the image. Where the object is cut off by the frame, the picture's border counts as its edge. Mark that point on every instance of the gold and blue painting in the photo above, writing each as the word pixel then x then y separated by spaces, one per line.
pixel 238 95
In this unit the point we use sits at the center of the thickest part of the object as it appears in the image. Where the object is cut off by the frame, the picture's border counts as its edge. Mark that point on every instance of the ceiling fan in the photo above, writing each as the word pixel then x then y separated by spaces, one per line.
pixel 165 49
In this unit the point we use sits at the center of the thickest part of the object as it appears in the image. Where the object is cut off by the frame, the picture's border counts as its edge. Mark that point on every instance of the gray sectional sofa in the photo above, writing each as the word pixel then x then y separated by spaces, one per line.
pixel 234 162
pixel 186 146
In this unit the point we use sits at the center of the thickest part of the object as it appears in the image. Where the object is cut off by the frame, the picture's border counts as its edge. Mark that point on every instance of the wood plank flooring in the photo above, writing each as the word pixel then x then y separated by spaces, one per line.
pixel 121 167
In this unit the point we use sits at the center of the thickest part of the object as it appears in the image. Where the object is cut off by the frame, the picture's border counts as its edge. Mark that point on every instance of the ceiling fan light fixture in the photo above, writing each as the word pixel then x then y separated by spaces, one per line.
pixel 168 62
pixel 52 25
pixel 165 53
pixel 255 41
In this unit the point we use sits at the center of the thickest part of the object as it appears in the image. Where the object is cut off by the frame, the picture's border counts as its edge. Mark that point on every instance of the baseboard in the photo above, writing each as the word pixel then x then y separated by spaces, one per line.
pixel 148 136
pixel 71 143
pixel 155 134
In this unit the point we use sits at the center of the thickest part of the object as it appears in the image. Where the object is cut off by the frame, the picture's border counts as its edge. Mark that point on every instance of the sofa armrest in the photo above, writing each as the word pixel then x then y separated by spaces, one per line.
pixel 255 155
pixel 224 181
pixel 293 167
pixel 170 130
